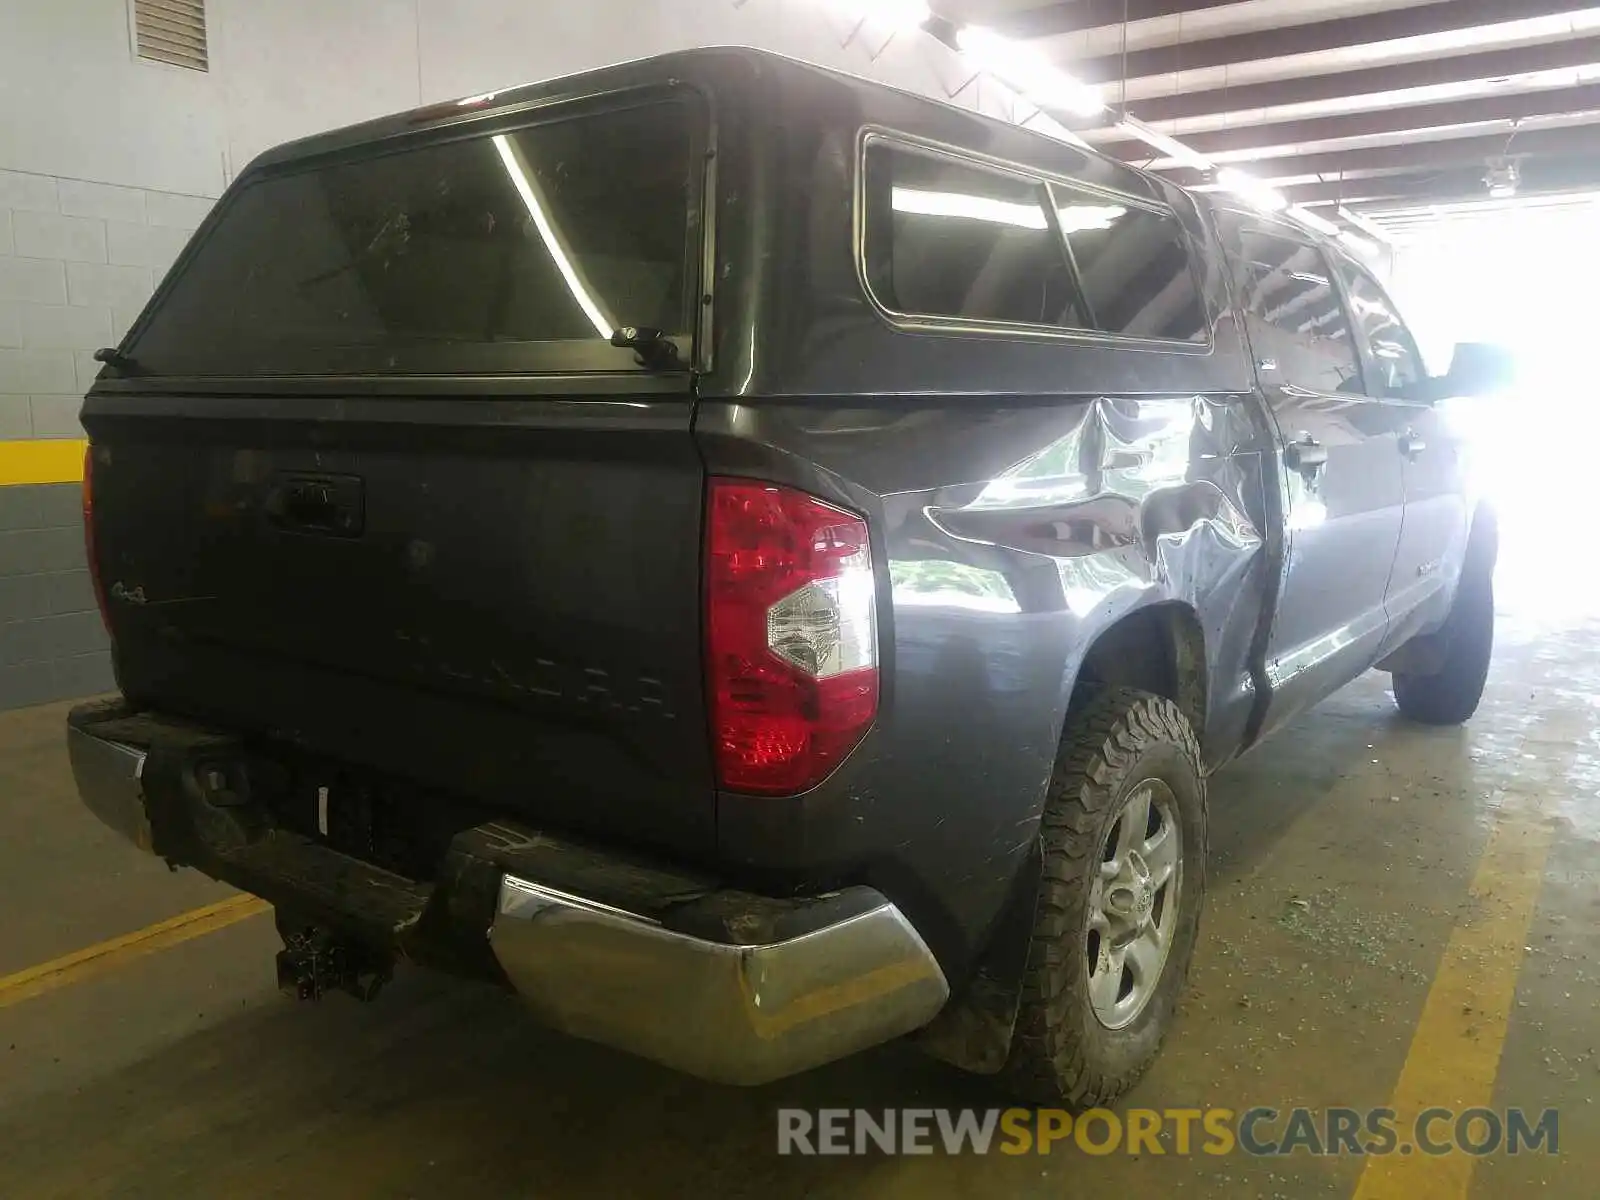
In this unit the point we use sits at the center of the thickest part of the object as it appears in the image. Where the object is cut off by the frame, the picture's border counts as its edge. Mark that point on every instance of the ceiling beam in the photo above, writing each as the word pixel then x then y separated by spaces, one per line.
pixel 1411 156
pixel 1408 218
pixel 1373 81
pixel 1072 16
pixel 1420 117
pixel 1339 33
pixel 1549 175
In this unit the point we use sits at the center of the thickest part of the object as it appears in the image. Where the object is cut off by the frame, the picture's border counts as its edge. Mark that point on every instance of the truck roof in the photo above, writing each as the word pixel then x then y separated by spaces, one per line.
pixel 710 67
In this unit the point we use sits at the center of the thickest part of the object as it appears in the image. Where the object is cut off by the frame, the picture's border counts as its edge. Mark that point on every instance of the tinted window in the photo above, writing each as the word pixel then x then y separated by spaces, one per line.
pixel 1295 317
pixel 1394 353
pixel 947 239
pixel 1133 267
pixel 472 253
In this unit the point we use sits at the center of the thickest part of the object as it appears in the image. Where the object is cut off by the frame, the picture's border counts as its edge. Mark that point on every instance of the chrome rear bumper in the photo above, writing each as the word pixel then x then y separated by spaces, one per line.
pixel 108 776
pixel 726 985
pixel 733 1013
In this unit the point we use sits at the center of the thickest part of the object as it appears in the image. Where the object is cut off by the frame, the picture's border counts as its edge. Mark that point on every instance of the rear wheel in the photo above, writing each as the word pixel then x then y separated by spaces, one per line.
pixel 1124 840
pixel 1451 694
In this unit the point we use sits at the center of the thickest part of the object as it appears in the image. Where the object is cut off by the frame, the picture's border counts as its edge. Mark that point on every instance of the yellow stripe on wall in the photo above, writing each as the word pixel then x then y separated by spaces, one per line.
pixel 49 460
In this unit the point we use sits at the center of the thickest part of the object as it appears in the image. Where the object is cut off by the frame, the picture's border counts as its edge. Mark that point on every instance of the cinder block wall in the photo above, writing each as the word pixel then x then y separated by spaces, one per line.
pixel 52 645
pixel 77 262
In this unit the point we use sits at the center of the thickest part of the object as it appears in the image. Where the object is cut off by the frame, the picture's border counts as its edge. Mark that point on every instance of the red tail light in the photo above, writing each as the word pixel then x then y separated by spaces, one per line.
pixel 792 646
pixel 88 537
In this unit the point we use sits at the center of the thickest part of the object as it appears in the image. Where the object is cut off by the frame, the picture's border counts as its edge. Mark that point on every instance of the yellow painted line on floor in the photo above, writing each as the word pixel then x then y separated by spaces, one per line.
pixel 105 956
pixel 46 460
pixel 1455 1051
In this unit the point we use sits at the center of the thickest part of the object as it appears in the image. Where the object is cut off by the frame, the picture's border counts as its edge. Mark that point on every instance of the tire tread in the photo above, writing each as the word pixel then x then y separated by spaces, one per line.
pixel 1451 696
pixel 1105 738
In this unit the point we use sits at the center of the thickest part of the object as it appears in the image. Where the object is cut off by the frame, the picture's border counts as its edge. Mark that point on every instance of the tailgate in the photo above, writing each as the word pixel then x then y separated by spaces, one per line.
pixel 507 610
pixel 373 477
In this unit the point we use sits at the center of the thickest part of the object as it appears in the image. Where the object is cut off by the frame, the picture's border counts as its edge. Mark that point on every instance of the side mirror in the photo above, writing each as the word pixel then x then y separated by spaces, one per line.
pixel 1480 369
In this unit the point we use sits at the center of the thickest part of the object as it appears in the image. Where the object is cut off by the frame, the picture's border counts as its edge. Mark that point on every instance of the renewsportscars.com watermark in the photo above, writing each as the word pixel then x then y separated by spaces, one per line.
pixel 1257 1131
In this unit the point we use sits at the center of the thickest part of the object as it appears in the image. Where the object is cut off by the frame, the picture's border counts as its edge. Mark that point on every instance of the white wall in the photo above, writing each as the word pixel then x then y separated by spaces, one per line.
pixel 79 105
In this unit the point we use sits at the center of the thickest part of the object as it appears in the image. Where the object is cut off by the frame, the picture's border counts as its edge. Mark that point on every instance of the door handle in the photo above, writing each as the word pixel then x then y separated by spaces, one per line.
pixel 1306 456
pixel 1411 445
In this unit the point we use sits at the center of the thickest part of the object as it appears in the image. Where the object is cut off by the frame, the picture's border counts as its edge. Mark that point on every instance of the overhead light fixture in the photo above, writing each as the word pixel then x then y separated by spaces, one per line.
pixel 1364 223
pixel 1502 178
pixel 1306 217
pixel 898 14
pixel 1171 147
pixel 1023 67
pixel 1248 187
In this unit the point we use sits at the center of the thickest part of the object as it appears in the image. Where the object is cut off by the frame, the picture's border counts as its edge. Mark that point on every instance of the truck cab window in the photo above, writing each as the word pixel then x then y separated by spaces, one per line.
pixel 1397 364
pixel 950 239
pixel 1133 265
pixel 1294 315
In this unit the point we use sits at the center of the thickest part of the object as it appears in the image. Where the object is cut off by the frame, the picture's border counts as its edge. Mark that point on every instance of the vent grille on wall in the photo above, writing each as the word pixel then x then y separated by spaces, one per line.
pixel 172 31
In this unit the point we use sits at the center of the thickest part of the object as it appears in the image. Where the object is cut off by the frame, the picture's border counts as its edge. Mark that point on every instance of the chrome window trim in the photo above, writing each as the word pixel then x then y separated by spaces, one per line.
pixel 929 323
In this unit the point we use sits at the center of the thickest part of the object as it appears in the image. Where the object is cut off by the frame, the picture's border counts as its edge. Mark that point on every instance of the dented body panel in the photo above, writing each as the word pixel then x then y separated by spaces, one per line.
pixel 997 577
pixel 1026 494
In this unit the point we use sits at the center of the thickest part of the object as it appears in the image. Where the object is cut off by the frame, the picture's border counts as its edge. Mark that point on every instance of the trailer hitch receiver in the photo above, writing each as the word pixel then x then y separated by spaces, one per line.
pixel 315 961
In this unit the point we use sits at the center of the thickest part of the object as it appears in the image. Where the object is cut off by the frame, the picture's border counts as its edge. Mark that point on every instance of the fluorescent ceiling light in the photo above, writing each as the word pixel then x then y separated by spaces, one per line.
pixel 1306 217
pixel 1169 146
pixel 1083 218
pixel 524 186
pixel 1023 67
pixel 974 208
pixel 1252 189
pixel 1364 223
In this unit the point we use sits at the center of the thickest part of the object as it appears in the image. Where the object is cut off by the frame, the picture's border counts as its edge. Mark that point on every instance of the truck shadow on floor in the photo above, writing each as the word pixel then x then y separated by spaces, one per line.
pixel 438 1089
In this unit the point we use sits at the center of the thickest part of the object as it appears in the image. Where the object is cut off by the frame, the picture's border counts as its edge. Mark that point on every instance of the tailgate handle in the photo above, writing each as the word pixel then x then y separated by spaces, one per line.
pixel 325 504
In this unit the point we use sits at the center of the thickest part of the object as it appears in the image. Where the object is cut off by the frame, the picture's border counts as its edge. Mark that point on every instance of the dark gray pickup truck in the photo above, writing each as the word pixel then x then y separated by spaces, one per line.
pixel 759 563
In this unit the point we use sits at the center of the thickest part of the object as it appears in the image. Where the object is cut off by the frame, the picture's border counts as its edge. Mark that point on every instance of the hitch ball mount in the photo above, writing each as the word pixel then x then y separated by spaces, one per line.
pixel 315 961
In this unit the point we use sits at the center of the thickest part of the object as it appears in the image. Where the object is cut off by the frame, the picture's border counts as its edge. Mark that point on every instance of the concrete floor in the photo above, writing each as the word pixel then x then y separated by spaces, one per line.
pixel 1345 854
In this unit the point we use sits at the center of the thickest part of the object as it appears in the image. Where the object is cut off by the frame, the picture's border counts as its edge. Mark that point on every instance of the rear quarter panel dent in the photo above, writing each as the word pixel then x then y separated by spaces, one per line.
pixel 1070 514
